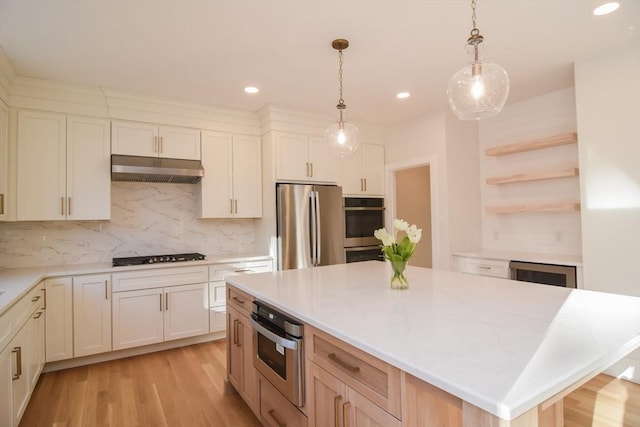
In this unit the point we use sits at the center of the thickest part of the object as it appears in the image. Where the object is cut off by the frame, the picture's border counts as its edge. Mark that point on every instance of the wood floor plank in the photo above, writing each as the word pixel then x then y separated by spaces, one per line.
pixel 184 387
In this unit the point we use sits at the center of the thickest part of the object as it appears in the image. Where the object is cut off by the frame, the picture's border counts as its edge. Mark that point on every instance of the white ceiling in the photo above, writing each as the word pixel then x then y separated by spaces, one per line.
pixel 206 52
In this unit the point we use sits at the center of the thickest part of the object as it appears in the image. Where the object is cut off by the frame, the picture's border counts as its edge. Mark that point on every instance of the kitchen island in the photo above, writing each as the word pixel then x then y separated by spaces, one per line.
pixel 492 351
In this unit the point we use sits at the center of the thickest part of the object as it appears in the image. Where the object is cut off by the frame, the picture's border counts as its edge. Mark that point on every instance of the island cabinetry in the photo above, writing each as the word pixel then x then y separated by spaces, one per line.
pixel 275 409
pixel 21 354
pixel 152 140
pixel 363 173
pixel 232 185
pixel 159 305
pixel 91 314
pixel 302 157
pixel 369 389
pixel 240 371
pixel 217 288
pixel 63 167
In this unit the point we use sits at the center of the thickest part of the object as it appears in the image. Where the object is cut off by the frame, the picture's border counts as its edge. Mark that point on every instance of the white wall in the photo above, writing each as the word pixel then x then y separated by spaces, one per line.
pixel 450 147
pixel 146 219
pixel 608 104
pixel 540 232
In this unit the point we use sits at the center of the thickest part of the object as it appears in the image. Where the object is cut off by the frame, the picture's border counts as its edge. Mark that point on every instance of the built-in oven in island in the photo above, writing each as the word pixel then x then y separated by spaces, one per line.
pixel 362 216
pixel 278 347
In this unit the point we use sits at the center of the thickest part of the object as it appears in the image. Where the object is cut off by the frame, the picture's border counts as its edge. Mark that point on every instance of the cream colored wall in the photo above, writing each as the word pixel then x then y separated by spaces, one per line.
pixel 413 204
pixel 607 105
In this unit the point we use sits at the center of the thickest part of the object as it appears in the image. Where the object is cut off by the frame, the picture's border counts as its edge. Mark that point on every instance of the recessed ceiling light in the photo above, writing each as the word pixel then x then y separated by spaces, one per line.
pixel 606 8
pixel 403 95
pixel 251 89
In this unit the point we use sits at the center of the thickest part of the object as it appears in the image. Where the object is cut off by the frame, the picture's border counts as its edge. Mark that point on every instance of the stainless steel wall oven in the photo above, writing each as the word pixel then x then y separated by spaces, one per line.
pixel 362 216
pixel 278 347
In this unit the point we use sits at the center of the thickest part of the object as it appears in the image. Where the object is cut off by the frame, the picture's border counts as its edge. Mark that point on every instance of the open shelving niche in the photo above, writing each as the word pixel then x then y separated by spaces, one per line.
pixel 522 147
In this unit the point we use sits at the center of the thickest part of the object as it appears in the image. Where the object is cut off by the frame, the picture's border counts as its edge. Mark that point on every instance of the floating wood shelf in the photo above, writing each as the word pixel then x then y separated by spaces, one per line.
pixel 545 207
pixel 537 144
pixel 534 176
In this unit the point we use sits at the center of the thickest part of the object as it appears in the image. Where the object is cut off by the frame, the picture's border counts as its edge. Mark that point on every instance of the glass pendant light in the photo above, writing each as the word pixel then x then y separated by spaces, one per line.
pixel 342 137
pixel 480 89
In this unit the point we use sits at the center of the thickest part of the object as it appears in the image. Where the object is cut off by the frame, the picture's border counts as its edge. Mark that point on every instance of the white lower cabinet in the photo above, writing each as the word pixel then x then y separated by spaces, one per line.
pixel 482 266
pixel 91 314
pixel 36 346
pixel 6 373
pixel 19 348
pixel 151 316
pixel 58 318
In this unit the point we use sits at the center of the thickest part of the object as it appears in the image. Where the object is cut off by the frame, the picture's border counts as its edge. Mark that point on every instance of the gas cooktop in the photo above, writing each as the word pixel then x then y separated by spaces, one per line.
pixel 156 259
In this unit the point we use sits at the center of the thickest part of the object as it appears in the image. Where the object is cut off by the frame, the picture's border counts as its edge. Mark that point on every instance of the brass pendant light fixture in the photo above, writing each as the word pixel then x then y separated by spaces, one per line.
pixel 341 137
pixel 480 89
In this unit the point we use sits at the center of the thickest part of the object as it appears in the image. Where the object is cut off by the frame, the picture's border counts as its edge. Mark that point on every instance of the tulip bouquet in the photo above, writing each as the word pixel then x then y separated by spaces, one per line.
pixel 397 251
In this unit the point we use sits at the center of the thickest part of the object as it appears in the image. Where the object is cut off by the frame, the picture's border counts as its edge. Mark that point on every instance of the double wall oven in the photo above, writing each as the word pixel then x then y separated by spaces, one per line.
pixel 362 216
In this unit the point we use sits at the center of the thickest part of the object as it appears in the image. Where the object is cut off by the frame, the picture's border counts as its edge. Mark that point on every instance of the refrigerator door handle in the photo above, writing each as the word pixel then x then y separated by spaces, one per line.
pixel 313 227
pixel 318 232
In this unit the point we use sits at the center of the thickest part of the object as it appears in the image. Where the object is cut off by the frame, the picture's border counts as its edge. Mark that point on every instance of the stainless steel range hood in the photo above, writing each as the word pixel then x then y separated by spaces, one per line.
pixel 153 169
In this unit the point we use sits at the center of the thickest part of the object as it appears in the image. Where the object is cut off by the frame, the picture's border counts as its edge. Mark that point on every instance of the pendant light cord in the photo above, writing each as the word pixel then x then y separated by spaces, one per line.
pixel 473 16
pixel 340 105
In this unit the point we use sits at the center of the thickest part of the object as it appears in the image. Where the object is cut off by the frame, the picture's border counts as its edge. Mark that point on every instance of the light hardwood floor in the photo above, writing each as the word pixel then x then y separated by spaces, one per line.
pixel 185 387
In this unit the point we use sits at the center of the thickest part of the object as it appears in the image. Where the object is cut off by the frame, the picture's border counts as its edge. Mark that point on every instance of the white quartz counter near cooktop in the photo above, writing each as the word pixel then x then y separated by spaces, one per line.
pixel 501 345
pixel 14 283
pixel 546 258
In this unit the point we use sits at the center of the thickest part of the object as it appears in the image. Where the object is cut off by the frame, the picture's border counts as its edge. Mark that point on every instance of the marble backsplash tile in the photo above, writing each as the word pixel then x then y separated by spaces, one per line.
pixel 146 218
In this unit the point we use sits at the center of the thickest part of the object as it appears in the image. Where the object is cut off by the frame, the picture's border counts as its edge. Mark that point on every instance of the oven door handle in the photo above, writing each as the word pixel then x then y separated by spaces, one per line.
pixel 287 343
pixel 362 209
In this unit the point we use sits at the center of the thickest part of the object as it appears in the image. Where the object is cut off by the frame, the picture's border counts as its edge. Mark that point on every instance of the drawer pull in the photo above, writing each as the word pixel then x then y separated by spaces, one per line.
pixel 36 298
pixel 485 267
pixel 44 303
pixel 160 302
pixel 242 270
pixel 354 369
pixel 166 301
pixel 271 414
pixel 336 406
pixel 18 352
pixel 38 314
pixel 345 414
pixel 238 300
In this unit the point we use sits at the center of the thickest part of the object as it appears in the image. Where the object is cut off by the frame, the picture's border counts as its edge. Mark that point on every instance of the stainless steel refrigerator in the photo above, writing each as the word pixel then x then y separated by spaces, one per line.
pixel 310 223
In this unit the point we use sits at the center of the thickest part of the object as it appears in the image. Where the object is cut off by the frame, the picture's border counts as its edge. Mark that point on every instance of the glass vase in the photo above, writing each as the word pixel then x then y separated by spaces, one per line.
pixel 398 279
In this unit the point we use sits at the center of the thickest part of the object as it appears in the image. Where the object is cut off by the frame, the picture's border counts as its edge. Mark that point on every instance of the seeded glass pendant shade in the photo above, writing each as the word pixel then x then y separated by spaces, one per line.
pixel 480 89
pixel 342 138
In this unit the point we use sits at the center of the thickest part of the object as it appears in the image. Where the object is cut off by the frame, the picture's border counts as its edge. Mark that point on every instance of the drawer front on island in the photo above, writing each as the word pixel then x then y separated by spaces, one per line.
pixel 276 410
pixel 239 300
pixel 376 380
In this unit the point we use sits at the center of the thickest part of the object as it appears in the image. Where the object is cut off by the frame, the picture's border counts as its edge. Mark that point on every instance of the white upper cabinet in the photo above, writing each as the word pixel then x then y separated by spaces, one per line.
pixel 63 167
pixel 363 173
pixel 303 158
pixel 232 185
pixel 151 140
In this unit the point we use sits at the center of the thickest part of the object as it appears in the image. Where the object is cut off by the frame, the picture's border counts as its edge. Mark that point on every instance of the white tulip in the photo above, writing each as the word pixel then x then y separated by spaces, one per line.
pixel 400 225
pixel 386 238
pixel 414 233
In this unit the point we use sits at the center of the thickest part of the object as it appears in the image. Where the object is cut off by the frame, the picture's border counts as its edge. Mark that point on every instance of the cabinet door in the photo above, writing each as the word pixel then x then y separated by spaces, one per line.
pixel 216 188
pixel 91 314
pixel 134 138
pixel 249 376
pixel 292 157
pixel 20 373
pixel 247 176
pixel 6 402
pixel 137 318
pixel 36 347
pixel 4 163
pixel 217 306
pixel 373 169
pixel 186 311
pixel 179 143
pixel 361 412
pixel 234 349
pixel 323 166
pixel 88 169
pixel 41 170
pixel 328 396
pixel 350 174
pixel 58 319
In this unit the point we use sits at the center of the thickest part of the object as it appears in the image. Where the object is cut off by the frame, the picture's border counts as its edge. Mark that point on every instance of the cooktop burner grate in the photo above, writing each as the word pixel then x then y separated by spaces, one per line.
pixel 157 259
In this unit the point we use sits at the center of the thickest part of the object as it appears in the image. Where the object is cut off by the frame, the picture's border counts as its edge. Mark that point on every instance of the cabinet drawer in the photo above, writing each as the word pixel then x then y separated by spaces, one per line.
pixel 159 278
pixel 373 378
pixel 485 267
pixel 276 410
pixel 17 315
pixel 238 299
pixel 220 271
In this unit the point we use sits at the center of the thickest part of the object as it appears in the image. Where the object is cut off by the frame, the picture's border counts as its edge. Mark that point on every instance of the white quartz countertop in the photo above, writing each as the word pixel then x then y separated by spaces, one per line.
pixel 546 258
pixel 501 345
pixel 16 282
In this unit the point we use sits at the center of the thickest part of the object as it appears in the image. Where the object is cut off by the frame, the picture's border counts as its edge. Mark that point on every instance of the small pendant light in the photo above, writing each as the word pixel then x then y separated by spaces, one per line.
pixel 342 137
pixel 480 89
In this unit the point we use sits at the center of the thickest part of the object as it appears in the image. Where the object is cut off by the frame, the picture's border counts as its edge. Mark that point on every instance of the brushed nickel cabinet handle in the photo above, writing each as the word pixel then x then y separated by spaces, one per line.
pixel 44 303
pixel 235 332
pixel 1 204
pixel 365 184
pixel 307 174
pixel 336 409
pixel 345 414
pixel 36 298
pixel 106 295
pixel 161 145
pixel 485 267
pixel 235 204
pixel 69 205
pixel 155 144
pixel 230 206
pixel 242 270
pixel 18 352
pixel 335 358
pixel 166 301
pixel 272 415
pixel 238 300
pixel 311 170
pixel 38 314
pixel 161 302
pixel 61 205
